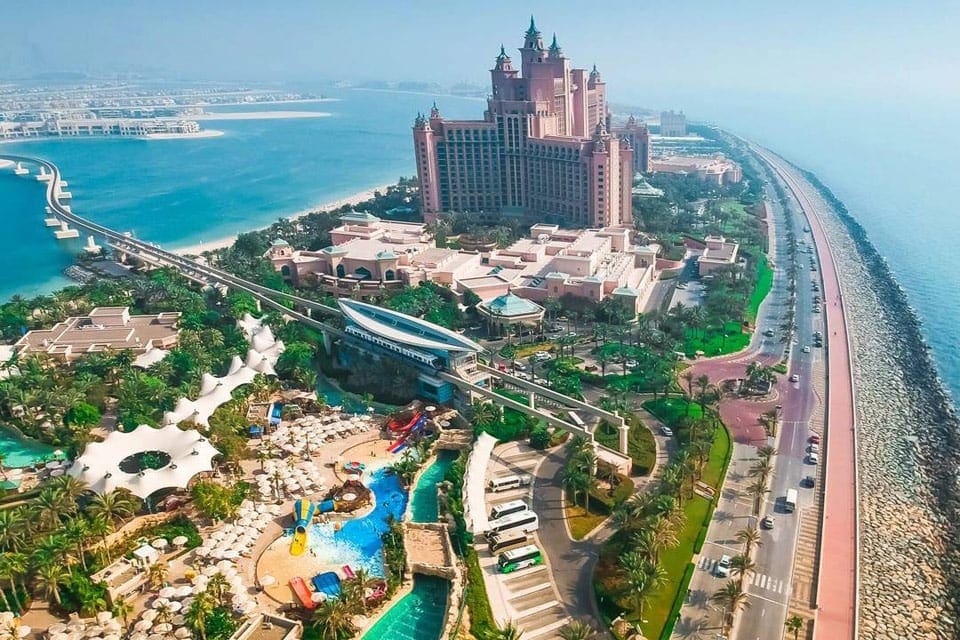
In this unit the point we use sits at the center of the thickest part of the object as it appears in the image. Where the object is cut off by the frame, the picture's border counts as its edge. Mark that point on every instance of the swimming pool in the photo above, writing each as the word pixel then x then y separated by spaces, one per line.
pixel 19 452
pixel 358 543
pixel 423 501
pixel 418 615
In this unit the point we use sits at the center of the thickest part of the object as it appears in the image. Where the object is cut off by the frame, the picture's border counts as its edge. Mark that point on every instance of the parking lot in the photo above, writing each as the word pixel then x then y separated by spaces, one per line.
pixel 527 597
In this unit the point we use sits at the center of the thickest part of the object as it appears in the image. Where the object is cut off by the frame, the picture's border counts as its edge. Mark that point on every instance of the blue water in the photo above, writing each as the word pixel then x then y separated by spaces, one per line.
pixel 417 615
pixel 358 543
pixel 423 501
pixel 896 168
pixel 20 452
pixel 181 192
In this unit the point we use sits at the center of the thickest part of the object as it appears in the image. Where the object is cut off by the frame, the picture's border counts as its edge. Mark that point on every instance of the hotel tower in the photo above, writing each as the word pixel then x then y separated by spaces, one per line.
pixel 542 151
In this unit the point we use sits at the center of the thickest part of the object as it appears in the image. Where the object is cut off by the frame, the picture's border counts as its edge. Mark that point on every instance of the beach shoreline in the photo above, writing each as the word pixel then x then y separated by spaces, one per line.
pixel 224 242
pixel 259 115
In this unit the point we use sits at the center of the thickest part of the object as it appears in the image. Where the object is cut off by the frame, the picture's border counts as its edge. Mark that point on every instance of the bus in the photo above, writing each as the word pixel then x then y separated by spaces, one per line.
pixel 790 501
pixel 504 483
pixel 576 419
pixel 521 558
pixel 524 521
pixel 506 508
pixel 498 542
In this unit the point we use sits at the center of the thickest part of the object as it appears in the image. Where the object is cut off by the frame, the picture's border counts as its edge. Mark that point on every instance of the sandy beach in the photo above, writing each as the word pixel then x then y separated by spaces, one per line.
pixel 260 115
pixel 223 242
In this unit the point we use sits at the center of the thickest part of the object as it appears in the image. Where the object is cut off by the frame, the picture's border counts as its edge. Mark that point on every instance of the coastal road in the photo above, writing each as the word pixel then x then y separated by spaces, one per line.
pixel 838 578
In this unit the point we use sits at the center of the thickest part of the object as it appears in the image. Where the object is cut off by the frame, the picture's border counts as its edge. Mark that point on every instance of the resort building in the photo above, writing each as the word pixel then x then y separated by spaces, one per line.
pixel 717 253
pixel 541 152
pixel 97 127
pixel 637 135
pixel 714 169
pixel 104 329
pixel 507 311
pixel 376 256
pixel 673 125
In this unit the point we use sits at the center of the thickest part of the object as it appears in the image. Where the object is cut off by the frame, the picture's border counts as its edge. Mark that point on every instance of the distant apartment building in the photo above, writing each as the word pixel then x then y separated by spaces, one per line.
pixel 714 169
pixel 718 253
pixel 103 329
pixel 374 256
pixel 673 125
pixel 637 135
pixel 97 127
pixel 542 151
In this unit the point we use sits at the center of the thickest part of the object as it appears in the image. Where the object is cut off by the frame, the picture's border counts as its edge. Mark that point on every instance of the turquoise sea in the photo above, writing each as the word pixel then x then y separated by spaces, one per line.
pixel 895 168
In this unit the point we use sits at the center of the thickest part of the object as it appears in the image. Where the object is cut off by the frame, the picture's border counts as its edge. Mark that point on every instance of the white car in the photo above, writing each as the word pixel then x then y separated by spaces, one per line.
pixel 722 569
pixel 806 348
pixel 813 458
pixel 666 431
pixel 794 378
pixel 541 356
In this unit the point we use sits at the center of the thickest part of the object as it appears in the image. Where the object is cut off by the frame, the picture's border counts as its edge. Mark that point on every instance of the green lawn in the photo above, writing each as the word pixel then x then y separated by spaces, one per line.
pixel 760 291
pixel 715 469
pixel 713 342
pixel 670 410
pixel 580 521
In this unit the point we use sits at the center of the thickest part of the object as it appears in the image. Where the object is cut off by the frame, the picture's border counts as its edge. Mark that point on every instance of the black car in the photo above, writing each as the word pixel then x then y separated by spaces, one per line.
pixel 809 482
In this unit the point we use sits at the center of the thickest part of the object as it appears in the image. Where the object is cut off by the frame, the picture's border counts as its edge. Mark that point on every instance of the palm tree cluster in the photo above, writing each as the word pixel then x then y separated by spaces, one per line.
pixel 333 619
pixel 217 501
pixel 55 541
pixel 579 471
pixel 760 472
pixel 208 615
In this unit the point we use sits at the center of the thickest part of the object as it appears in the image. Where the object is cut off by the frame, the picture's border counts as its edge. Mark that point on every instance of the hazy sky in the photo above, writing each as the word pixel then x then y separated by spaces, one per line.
pixel 660 54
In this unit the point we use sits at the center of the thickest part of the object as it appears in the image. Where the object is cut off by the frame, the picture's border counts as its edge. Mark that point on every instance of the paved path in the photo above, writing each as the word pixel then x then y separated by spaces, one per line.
pixel 838 575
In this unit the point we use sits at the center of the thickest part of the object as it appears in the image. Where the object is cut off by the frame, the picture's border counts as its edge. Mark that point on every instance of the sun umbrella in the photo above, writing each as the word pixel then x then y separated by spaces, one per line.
pixel 57 627
pixel 318 596
pixel 23 631
pixel 174 606
pixel 143 625
pixel 156 636
pixel 138 636
pixel 163 627
pixel 179 541
pixel 149 614
pixel 178 620
pixel 57 636
pixel 159 543
pixel 183 633
pixel 268 580
pixel 224 565
pixel 166 592
pixel 160 602
pixel 104 617
pixel 184 591
pixel 93 631
pixel 112 636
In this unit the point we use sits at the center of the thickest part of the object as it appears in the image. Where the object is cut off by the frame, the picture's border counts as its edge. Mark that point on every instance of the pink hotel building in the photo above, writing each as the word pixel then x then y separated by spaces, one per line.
pixel 542 151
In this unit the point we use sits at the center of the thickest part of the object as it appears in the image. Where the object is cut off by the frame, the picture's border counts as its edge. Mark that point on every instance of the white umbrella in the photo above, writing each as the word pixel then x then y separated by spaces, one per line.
pixel 209 571
pixel 56 473
pixel 179 541
pixel 184 591
pixel 268 580
pixel 230 554
pixel 104 617
pixel 57 636
pixel 159 543
pixel 93 631
pixel 138 636
pixel 318 596
pixel 183 633
pixel 160 602
pixel 174 606
pixel 57 627
pixel 224 565
pixel 163 627
pixel 157 636
pixel 149 614
pixel 23 631
pixel 166 592
pixel 112 636
pixel 178 620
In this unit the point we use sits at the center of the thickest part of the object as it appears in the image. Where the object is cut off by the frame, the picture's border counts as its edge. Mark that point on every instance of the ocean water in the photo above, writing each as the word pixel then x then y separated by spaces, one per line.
pixel 181 192
pixel 896 169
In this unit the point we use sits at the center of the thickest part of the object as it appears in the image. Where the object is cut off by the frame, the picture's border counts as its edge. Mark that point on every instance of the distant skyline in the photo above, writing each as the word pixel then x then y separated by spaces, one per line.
pixel 703 57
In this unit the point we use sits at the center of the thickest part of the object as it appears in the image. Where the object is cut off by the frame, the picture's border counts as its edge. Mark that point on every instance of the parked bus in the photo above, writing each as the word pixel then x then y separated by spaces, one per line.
pixel 498 542
pixel 524 521
pixel 790 501
pixel 519 558
pixel 506 508
pixel 577 420
pixel 503 483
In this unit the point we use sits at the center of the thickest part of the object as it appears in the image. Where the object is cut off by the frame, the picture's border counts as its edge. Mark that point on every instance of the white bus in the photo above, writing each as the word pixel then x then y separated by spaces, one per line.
pixel 504 483
pixel 521 558
pixel 506 508
pixel 498 542
pixel 525 521
pixel 577 420
pixel 790 501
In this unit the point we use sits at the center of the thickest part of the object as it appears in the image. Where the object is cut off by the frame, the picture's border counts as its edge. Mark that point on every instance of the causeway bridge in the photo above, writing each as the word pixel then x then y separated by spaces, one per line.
pixel 303 310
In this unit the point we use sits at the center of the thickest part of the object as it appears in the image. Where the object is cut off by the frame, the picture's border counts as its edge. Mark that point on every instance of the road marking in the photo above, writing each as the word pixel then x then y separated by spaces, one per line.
pixel 525 592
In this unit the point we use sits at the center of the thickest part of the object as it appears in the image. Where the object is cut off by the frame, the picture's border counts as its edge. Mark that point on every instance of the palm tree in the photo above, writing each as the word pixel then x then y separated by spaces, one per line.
pixel 749 537
pixel 100 526
pixel 122 610
pixel 333 619
pixel 198 613
pixel 703 384
pixel 164 612
pixel 731 597
pixel 14 527
pixel 70 488
pixel 48 507
pixel 757 490
pixel 49 577
pixel 766 452
pixel 76 531
pixel 665 535
pixel 157 573
pixel 577 630
pixel 509 632
pixel 741 565
pixel 52 548
pixel 642 577
pixel 12 566
pixel 114 506
pixel 217 587
pixel 795 625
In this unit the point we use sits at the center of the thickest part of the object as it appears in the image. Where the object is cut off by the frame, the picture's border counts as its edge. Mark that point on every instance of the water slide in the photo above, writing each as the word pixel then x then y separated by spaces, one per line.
pixel 401 443
pixel 397 427
pixel 303 593
pixel 303 511
pixel 326 506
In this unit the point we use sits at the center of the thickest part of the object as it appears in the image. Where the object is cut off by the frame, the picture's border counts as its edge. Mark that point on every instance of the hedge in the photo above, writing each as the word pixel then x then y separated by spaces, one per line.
pixel 678 601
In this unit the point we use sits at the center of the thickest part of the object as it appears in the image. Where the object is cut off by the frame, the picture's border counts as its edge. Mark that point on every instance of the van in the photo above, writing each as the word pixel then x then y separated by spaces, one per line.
pixel 497 542
pixel 504 483
pixel 722 570
pixel 524 521
pixel 790 501
pixel 506 508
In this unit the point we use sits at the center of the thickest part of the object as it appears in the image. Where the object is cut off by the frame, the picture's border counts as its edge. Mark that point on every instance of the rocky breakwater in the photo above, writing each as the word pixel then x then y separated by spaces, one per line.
pixel 907 447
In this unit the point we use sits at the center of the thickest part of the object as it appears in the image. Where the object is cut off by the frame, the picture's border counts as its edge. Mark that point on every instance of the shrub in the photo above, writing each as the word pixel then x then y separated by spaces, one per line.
pixel 539 437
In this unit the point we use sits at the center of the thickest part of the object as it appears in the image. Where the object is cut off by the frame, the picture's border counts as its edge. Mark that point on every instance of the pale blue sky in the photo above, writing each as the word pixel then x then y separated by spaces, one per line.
pixel 693 54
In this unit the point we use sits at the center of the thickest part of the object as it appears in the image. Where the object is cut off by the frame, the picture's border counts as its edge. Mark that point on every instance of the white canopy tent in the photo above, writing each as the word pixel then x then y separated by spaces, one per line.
pixel 474 480
pixel 99 466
